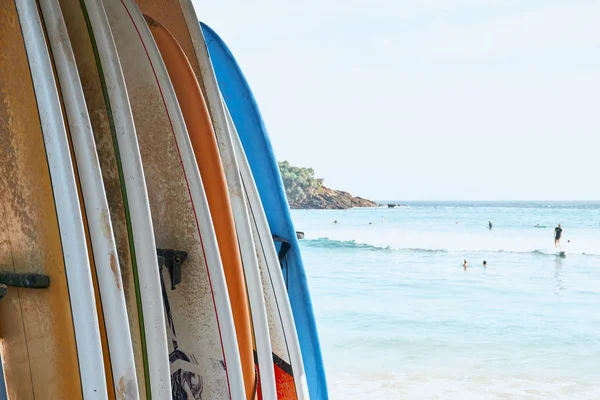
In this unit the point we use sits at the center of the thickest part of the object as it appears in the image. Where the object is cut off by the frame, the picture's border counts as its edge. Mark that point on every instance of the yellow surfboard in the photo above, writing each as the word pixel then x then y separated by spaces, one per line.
pixel 49 337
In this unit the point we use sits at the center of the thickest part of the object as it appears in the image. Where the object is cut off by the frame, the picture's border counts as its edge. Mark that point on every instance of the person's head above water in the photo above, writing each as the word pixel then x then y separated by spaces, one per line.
pixel 484 263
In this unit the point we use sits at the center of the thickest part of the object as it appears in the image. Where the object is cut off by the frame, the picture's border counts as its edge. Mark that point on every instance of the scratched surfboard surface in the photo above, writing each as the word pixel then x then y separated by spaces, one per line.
pixel 124 182
pixel 50 336
pixel 187 246
pixel 29 237
pixel 206 151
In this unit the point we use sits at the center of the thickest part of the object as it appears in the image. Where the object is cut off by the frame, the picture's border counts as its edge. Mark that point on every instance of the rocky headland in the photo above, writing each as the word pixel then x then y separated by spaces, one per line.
pixel 330 199
pixel 304 191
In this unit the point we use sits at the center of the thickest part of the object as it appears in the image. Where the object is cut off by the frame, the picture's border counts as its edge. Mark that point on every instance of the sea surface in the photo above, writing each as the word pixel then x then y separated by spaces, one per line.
pixel 400 318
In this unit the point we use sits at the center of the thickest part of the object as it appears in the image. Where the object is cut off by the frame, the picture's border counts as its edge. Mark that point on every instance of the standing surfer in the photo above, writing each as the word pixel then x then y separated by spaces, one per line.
pixel 557 235
pixel 490 225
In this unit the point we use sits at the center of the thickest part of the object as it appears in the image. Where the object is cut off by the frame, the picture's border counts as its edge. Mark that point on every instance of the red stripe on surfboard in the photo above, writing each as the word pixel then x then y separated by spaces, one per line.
pixel 286 388
pixel 284 380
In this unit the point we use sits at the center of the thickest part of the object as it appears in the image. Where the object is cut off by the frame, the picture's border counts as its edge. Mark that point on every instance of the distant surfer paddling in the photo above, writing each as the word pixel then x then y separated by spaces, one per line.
pixel 557 234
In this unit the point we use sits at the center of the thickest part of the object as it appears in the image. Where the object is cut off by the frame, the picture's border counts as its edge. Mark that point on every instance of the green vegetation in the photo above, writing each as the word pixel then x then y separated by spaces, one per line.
pixel 300 183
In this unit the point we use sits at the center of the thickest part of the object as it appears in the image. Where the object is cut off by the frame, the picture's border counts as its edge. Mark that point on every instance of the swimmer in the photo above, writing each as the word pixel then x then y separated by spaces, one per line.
pixel 335 222
pixel 465 264
pixel 484 264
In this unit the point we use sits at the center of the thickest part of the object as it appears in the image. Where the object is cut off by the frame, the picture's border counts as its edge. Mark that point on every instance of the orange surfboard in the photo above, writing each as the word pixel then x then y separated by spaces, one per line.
pixel 203 140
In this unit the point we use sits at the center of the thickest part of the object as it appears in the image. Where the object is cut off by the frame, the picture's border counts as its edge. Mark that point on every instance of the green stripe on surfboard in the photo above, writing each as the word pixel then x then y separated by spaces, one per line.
pixel 125 199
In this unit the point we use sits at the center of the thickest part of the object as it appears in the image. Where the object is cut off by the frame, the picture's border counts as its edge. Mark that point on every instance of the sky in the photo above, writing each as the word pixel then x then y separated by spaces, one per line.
pixel 428 99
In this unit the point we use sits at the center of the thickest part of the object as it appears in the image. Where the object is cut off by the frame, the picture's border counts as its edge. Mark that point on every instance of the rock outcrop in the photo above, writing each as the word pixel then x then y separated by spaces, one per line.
pixel 330 199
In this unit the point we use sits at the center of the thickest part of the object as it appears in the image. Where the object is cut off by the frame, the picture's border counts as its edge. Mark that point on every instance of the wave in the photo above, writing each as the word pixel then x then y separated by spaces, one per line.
pixel 327 243
pixel 342 244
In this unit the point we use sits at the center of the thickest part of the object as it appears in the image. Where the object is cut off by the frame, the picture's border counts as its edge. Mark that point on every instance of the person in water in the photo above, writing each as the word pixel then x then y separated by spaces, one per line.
pixel 557 234
pixel 465 264
pixel 484 264
pixel 335 222
pixel 490 224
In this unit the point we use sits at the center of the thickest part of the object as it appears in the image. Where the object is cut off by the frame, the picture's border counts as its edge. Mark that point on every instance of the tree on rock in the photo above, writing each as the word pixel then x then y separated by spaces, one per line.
pixel 300 183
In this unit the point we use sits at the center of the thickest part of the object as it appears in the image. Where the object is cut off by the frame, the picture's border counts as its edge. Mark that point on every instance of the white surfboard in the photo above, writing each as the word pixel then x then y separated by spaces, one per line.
pixel 282 329
pixel 138 205
pixel 203 347
pixel 77 264
pixel 238 206
pixel 102 237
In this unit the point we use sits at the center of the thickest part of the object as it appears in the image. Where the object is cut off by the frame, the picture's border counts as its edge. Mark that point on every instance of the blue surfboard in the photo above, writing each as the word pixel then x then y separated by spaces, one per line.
pixel 257 146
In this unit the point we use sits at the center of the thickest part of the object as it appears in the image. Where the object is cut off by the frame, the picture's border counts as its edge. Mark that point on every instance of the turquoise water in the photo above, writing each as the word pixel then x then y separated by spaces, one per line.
pixel 399 317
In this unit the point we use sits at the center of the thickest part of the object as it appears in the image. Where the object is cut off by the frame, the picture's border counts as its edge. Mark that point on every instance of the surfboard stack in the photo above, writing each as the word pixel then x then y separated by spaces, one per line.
pixel 146 246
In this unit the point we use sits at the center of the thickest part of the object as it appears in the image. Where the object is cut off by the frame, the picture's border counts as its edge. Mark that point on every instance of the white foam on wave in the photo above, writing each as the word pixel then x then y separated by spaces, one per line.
pixel 435 385
pixel 457 242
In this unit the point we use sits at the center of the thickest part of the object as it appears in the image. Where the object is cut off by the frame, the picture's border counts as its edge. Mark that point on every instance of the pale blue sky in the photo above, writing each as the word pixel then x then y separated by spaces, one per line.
pixel 427 99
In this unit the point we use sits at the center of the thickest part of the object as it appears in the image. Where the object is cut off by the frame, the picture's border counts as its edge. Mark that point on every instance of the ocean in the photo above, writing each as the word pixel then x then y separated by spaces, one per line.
pixel 400 318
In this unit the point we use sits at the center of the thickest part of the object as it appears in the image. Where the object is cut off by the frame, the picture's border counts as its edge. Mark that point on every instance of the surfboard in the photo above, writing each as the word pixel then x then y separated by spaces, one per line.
pixel 176 17
pixel 50 337
pixel 258 150
pixel 241 219
pixel 289 369
pixel 118 153
pixel 111 308
pixel 206 152
pixel 203 348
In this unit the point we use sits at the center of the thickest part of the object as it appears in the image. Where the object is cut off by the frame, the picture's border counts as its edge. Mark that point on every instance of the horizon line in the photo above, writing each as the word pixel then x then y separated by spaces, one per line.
pixel 488 200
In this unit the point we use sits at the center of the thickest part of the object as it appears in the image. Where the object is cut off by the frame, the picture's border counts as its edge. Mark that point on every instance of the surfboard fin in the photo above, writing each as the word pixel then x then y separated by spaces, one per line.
pixel 285 247
pixel 25 280
pixel 173 260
